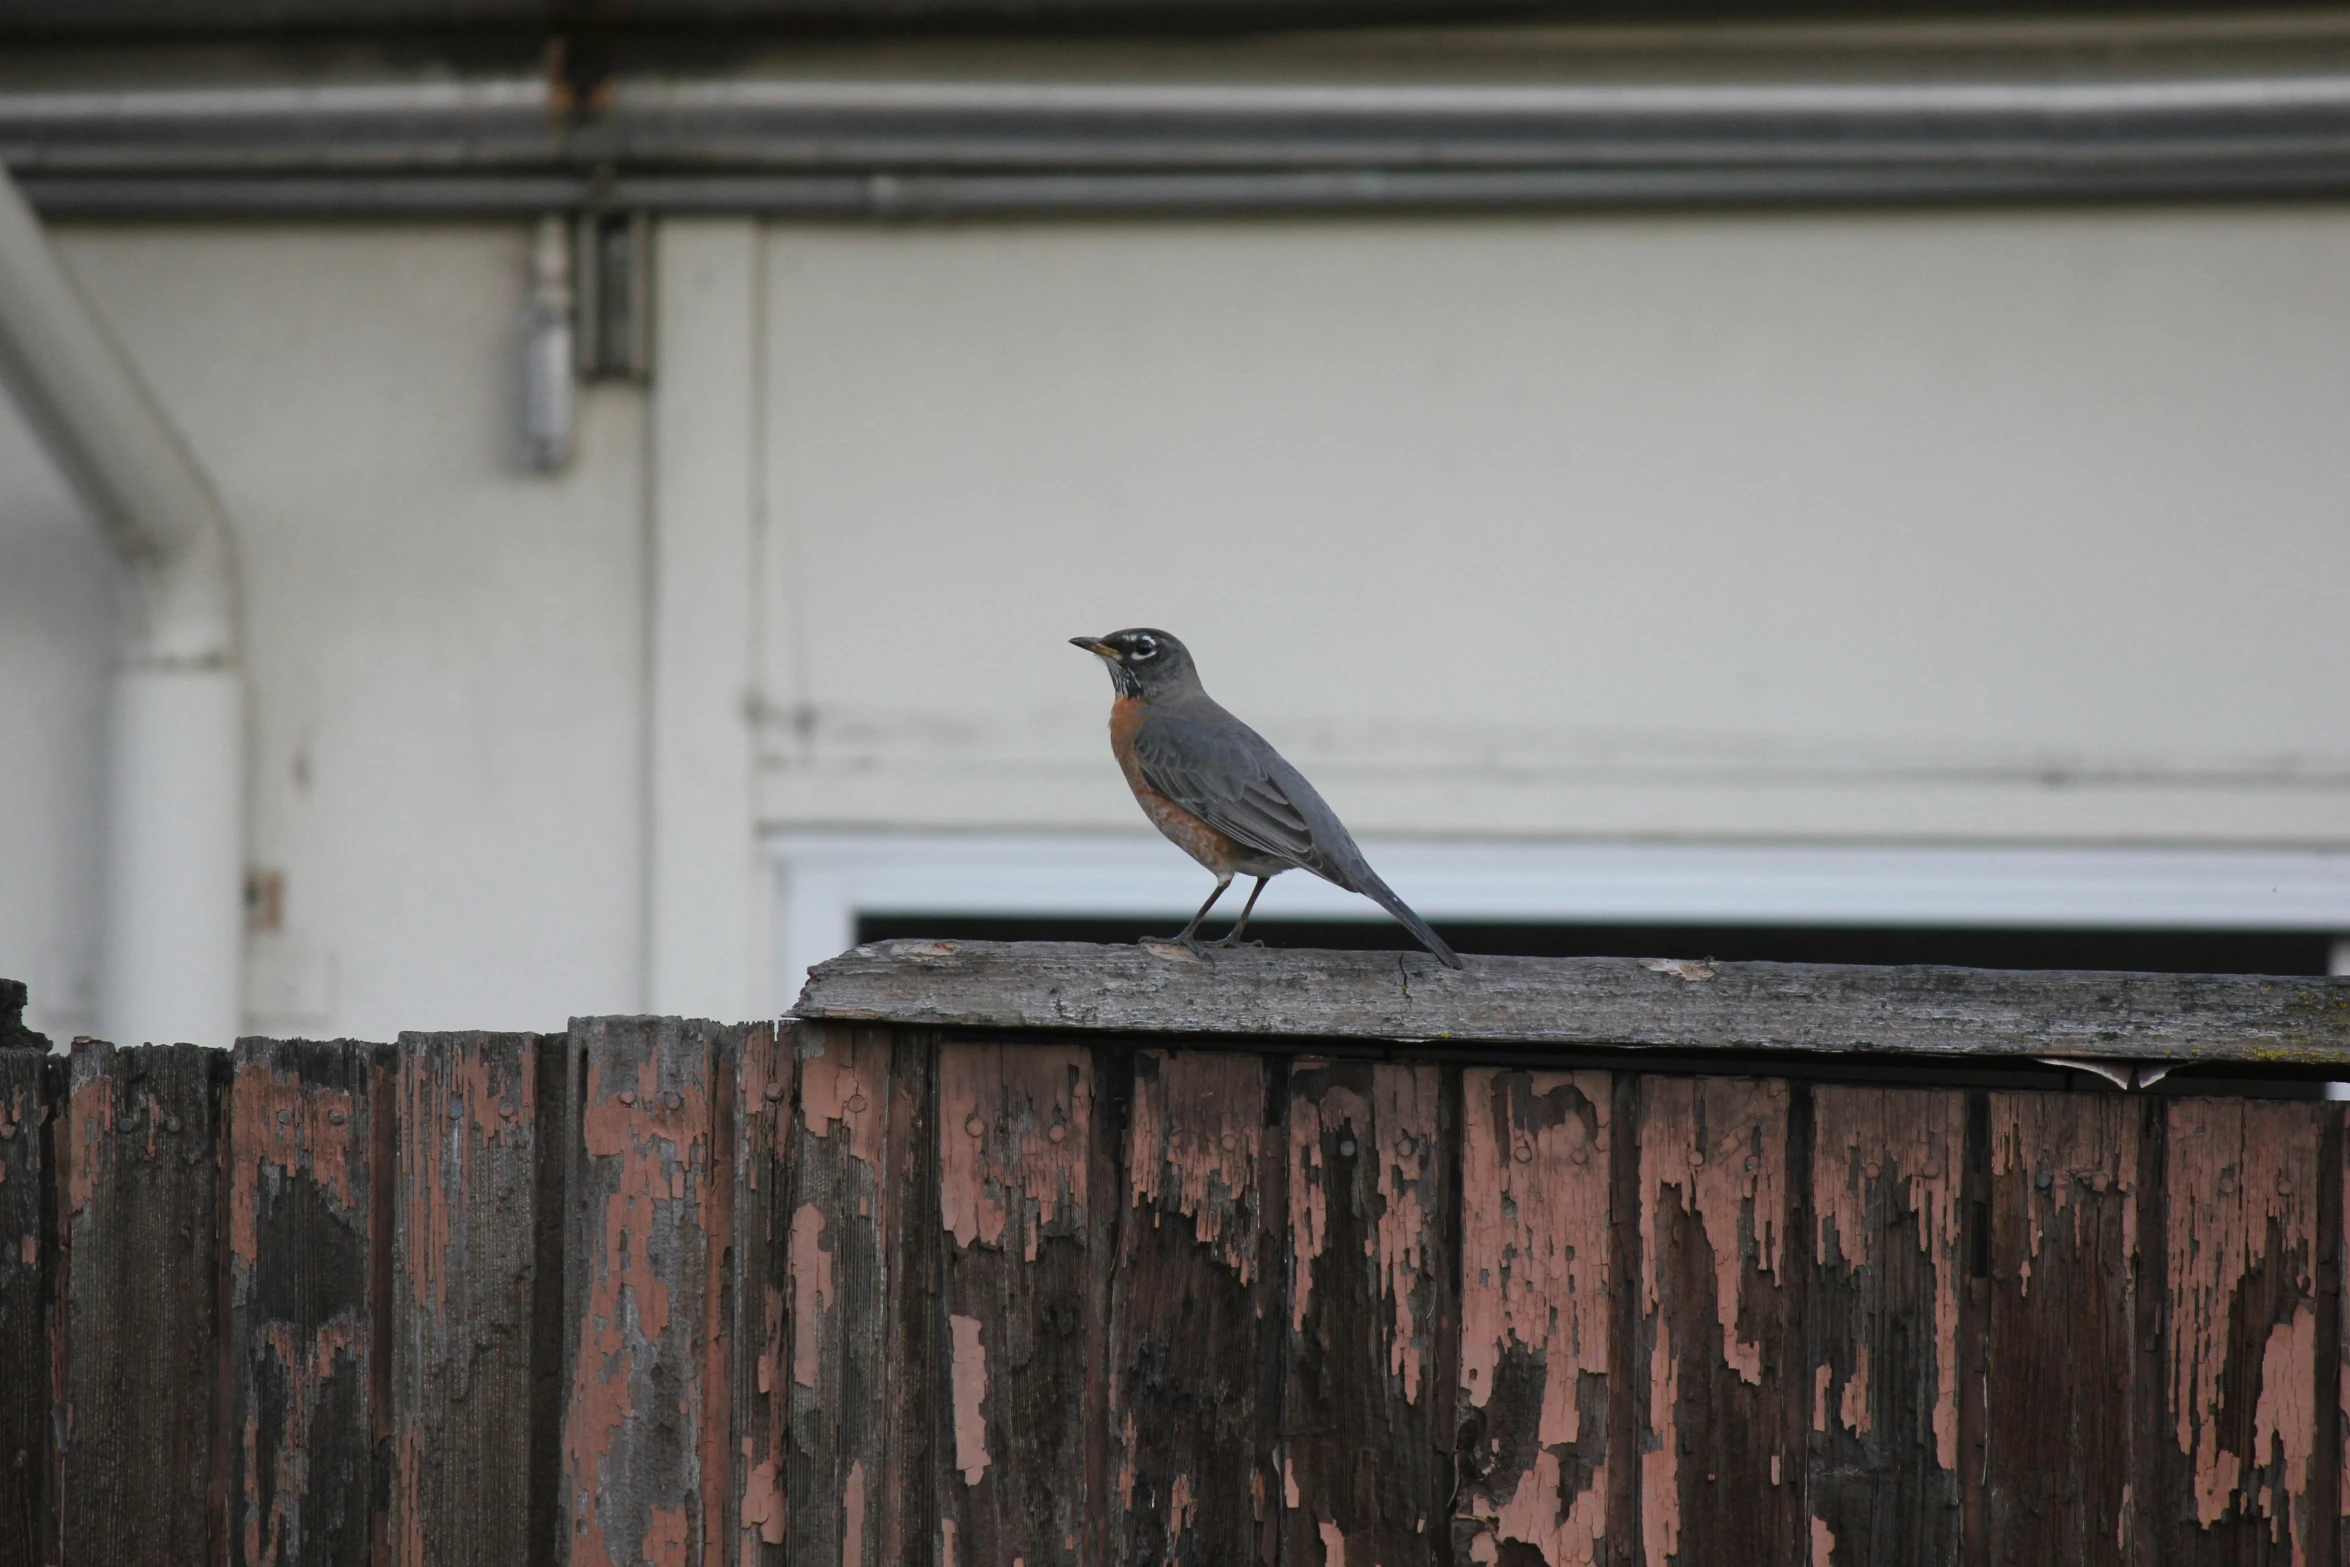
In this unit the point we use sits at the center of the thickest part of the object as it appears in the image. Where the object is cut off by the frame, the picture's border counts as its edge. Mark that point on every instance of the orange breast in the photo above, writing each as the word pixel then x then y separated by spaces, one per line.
pixel 1184 830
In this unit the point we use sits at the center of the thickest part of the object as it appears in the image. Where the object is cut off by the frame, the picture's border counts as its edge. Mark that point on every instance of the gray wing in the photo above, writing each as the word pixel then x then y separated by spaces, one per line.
pixel 1226 775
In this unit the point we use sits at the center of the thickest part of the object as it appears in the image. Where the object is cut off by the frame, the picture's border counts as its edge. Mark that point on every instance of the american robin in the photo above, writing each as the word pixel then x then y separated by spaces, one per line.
pixel 1219 792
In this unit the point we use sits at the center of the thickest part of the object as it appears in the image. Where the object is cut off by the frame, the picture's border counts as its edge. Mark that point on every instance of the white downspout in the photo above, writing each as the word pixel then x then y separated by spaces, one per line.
pixel 174 825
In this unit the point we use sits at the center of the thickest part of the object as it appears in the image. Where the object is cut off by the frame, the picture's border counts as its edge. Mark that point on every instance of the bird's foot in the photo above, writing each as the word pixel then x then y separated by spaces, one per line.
pixel 1227 941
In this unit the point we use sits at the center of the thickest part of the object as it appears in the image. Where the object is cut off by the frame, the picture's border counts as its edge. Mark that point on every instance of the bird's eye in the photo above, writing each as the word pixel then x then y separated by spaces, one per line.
pixel 1146 647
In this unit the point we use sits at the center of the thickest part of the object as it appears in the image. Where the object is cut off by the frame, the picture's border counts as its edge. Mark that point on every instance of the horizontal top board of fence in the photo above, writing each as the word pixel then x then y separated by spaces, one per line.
pixel 1698 1005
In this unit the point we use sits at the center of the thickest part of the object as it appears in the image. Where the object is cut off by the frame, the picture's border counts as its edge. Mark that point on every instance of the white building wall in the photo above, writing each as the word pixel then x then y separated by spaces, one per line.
pixel 57 632
pixel 445 651
pixel 1968 526
pixel 1890 528
pixel 706 907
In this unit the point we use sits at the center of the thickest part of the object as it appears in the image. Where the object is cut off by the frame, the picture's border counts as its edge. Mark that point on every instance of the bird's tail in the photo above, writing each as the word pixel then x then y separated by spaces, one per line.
pixel 1383 895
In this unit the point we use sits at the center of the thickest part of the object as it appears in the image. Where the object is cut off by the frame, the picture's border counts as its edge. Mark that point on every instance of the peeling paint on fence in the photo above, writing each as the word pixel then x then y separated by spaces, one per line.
pixel 2085 1157
pixel 2062 1323
pixel 968 1371
pixel 860 1297
pixel 1537 1302
pixel 2239 1258
pixel 1729 1173
pixel 1194 1322
pixel 843 1088
pixel 1726 1383
pixel 852 1167
pixel 1371 1276
pixel 1016 1142
pixel 462 1102
pixel 647 1450
pixel 309 1210
pixel 465 1293
pixel 1887 1252
pixel 762 1245
pixel 1913 1142
pixel 89 1124
pixel 811 1281
pixel 1198 1160
pixel 1012 1152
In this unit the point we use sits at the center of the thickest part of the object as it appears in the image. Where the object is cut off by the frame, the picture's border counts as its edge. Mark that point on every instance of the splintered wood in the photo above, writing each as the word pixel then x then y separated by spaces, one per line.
pixel 664 1294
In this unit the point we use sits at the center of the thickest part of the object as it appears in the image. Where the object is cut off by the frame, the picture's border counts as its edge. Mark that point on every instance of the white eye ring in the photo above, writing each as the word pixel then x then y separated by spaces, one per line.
pixel 1146 647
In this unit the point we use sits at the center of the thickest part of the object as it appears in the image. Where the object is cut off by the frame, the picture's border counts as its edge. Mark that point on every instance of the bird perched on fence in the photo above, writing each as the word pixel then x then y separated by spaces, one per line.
pixel 1219 792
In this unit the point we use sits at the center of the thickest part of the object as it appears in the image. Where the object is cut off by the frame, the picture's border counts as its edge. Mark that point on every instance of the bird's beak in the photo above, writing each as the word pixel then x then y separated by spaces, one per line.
pixel 1098 648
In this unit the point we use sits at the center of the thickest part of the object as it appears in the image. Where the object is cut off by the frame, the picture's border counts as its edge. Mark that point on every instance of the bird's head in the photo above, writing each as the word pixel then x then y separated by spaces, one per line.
pixel 1143 663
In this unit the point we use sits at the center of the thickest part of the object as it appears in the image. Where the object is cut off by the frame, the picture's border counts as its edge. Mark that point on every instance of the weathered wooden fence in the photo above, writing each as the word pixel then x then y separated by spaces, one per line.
pixel 1081 1255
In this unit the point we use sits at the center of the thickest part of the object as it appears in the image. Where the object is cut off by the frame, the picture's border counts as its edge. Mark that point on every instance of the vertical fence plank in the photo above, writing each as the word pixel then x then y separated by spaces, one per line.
pixel 762 1225
pixel 1015 1139
pixel 1721 1479
pixel 2335 1234
pixel 554 1332
pixel 2240 1375
pixel 1881 1318
pixel 465 1272
pixel 303 1236
pixel 141 1171
pixel 2063 1224
pixel 27 1274
pixel 1192 1317
pixel 1536 1318
pixel 919 1418
pixel 1366 1405
pixel 2325 1542
pixel 848 1477
pixel 647 1442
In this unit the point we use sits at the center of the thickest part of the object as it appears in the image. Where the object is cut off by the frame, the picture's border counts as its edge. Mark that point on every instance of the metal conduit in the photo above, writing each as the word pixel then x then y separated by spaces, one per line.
pixel 173 922
pixel 895 148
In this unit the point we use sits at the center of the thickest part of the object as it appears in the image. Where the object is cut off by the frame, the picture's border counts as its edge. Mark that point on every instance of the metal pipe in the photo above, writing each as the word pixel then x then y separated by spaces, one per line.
pixel 173 945
pixel 890 146
pixel 812 123
pixel 918 196
pixel 548 395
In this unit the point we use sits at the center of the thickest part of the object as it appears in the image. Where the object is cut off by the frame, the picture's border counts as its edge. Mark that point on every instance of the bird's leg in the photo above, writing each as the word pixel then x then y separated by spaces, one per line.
pixel 1231 938
pixel 1192 929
